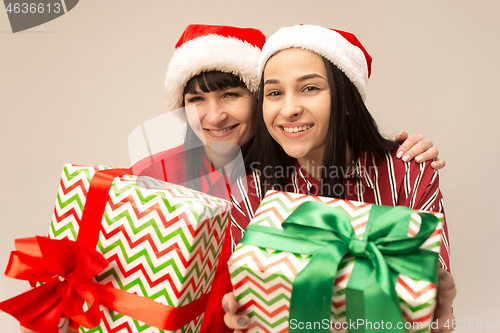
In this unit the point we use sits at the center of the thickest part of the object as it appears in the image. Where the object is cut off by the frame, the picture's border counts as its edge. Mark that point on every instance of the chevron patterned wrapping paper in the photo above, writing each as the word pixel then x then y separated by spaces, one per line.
pixel 262 278
pixel 162 240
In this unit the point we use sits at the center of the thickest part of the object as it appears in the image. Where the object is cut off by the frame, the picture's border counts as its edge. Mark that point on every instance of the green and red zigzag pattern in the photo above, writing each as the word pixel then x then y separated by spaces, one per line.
pixel 262 278
pixel 162 241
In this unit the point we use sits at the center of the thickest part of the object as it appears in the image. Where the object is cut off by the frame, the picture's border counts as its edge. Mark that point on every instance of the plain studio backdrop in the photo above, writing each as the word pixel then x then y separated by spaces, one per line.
pixel 72 90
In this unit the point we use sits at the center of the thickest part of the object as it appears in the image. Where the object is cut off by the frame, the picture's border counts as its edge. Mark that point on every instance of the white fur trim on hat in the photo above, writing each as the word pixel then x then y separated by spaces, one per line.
pixel 349 58
pixel 209 53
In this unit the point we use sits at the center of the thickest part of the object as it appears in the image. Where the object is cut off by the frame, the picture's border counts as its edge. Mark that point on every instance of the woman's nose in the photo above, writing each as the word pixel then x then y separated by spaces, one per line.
pixel 215 113
pixel 291 107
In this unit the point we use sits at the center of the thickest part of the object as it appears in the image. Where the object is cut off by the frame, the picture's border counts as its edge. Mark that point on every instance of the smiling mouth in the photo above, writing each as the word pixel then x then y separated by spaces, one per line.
pixel 222 130
pixel 296 129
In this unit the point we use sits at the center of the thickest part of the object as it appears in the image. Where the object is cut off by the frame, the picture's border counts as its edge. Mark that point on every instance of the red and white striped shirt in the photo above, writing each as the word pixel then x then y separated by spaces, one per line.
pixel 382 180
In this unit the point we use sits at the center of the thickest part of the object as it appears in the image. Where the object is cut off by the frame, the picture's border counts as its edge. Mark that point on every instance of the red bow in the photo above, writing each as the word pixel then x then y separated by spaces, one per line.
pixel 67 283
pixel 67 268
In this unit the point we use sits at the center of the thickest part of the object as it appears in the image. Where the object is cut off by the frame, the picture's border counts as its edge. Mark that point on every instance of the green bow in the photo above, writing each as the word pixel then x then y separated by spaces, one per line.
pixel 386 251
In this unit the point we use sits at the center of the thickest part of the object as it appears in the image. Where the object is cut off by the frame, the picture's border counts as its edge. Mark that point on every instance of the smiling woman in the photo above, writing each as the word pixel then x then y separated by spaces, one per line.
pixel 311 114
pixel 224 113
pixel 213 75
pixel 296 80
pixel 311 117
pixel 317 116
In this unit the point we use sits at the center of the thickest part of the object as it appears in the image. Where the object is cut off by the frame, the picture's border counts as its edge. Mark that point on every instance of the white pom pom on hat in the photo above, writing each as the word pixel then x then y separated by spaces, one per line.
pixel 204 48
pixel 342 48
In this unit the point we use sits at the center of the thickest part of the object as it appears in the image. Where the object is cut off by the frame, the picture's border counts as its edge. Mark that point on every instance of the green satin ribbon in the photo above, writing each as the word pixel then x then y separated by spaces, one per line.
pixel 386 251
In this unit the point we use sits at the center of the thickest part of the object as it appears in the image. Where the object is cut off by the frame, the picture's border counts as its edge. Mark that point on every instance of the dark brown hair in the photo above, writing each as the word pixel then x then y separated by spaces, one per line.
pixel 358 128
pixel 212 81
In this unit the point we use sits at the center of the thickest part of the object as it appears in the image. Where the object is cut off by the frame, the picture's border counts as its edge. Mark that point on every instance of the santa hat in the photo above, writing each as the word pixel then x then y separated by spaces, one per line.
pixel 204 48
pixel 342 48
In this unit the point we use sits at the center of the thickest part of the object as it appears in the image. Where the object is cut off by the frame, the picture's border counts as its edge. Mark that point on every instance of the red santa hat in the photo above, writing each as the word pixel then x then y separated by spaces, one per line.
pixel 204 48
pixel 342 48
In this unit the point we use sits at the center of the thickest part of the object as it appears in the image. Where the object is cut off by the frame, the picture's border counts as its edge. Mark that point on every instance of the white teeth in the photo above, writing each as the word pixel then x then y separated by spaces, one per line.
pixel 222 131
pixel 296 129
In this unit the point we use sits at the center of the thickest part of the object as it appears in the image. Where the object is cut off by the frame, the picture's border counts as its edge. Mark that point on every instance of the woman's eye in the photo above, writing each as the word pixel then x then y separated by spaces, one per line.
pixel 273 93
pixel 194 99
pixel 230 94
pixel 310 88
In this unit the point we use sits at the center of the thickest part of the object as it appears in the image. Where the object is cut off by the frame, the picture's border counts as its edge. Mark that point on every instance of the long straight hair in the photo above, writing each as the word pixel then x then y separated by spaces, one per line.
pixel 194 149
pixel 350 122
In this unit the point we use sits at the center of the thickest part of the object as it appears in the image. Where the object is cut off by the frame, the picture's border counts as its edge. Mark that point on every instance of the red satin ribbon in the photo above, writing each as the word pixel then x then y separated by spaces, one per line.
pixel 67 268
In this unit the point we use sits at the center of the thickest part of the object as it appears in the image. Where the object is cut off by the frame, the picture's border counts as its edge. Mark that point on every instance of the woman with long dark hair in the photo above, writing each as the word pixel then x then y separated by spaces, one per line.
pixel 311 115
pixel 320 139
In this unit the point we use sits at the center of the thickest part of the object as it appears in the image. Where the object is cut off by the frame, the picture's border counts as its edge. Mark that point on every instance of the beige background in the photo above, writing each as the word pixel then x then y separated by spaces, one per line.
pixel 74 88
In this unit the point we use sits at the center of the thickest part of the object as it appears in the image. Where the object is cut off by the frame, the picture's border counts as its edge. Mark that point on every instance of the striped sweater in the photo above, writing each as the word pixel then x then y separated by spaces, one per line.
pixel 382 180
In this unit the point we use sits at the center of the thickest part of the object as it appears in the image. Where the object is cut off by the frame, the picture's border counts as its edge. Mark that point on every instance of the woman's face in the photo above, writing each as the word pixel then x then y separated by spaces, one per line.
pixel 224 115
pixel 296 104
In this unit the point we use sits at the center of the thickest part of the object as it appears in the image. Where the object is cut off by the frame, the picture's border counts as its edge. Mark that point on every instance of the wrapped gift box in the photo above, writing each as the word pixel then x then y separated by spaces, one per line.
pixel 162 240
pixel 262 277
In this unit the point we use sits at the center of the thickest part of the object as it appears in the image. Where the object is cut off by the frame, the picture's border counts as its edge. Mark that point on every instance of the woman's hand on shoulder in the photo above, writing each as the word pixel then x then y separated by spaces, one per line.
pixel 232 318
pixel 418 147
